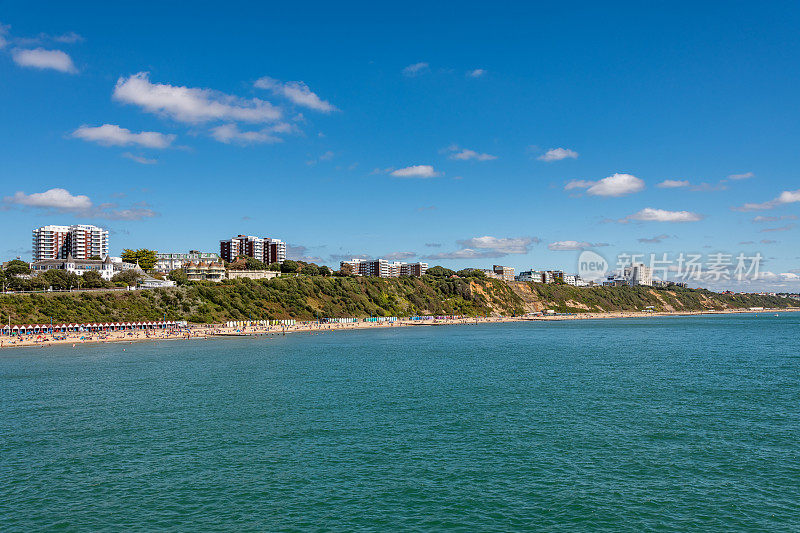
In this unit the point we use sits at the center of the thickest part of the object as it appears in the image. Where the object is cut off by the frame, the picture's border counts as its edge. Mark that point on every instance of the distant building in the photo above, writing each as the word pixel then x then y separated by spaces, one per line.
pixel 167 262
pixel 638 274
pixel 205 271
pixel 251 274
pixel 536 276
pixel 383 268
pixel 574 280
pixel 264 249
pixel 665 284
pixel 506 273
pixel 154 283
pixel 491 274
pixel 546 276
pixel 614 280
pixel 79 240
pixel 413 269
pixel 105 267
pixel 553 276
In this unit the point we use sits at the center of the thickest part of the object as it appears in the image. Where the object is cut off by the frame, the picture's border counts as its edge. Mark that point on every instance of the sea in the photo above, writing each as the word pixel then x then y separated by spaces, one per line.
pixel 642 424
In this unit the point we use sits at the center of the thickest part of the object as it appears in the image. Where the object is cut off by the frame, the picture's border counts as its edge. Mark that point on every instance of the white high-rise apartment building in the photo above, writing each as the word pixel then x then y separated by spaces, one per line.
pixel 384 269
pixel 638 274
pixel 82 241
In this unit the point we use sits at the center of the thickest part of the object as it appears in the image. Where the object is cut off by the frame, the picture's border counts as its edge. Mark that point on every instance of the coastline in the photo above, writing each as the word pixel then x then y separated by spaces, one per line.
pixel 219 331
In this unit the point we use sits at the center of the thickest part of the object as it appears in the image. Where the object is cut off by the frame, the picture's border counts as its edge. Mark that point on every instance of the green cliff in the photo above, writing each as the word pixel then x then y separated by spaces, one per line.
pixel 311 297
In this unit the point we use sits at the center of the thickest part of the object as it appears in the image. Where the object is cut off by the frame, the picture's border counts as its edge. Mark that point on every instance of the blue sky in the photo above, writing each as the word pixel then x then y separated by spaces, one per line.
pixel 516 134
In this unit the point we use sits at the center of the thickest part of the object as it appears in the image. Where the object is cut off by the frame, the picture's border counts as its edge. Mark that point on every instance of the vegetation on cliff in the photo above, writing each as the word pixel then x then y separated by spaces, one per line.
pixel 311 297
pixel 569 299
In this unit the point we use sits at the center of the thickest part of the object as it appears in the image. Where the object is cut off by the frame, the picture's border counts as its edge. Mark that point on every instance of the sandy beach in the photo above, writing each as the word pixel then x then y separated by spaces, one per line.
pixel 208 331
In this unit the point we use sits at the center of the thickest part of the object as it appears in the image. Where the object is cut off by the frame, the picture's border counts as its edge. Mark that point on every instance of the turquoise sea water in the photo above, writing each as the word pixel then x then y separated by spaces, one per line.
pixel 663 424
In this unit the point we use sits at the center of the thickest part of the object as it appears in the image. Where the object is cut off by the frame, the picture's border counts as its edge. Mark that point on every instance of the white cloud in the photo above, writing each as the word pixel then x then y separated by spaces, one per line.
pixel 192 105
pixel 113 135
pixel 568 246
pixel 466 253
pixel 649 214
pixel 416 68
pixel 139 159
pixel 297 92
pixel 477 73
pixel 416 171
pixel 673 184
pixel 578 184
pixel 517 245
pixel 616 185
pixel 486 247
pixel 746 175
pixel 44 59
pixel 761 218
pixel 111 212
pixel 68 38
pixel 465 154
pixel 786 197
pixel 557 154
pixel 230 133
pixel 3 35
pixel 399 256
pixel 787 227
pixel 59 199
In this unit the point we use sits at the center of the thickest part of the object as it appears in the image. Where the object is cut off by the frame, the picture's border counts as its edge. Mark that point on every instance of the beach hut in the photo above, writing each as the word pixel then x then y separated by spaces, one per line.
pixel 6 329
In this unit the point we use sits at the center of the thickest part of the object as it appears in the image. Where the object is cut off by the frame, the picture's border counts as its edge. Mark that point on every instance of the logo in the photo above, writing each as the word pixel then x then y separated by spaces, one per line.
pixel 592 266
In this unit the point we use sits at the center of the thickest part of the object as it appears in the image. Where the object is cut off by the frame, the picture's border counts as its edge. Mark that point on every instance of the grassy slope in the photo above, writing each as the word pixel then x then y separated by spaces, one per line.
pixel 564 298
pixel 313 297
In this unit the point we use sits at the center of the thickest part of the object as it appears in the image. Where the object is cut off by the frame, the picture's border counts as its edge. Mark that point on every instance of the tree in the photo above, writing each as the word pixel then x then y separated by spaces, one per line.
pixel 127 277
pixel 324 271
pixel 440 272
pixel 251 263
pixel 61 279
pixel 146 258
pixel 275 267
pixel 471 273
pixel 289 266
pixel 310 270
pixel 93 280
pixel 346 270
pixel 179 276
pixel 16 267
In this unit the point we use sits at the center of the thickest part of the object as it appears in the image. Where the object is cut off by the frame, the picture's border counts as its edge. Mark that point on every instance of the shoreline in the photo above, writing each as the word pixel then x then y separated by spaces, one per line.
pixel 212 331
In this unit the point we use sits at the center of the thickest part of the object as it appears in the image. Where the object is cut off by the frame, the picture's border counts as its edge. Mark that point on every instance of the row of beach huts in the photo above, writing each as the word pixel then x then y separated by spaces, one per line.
pixel 28 329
